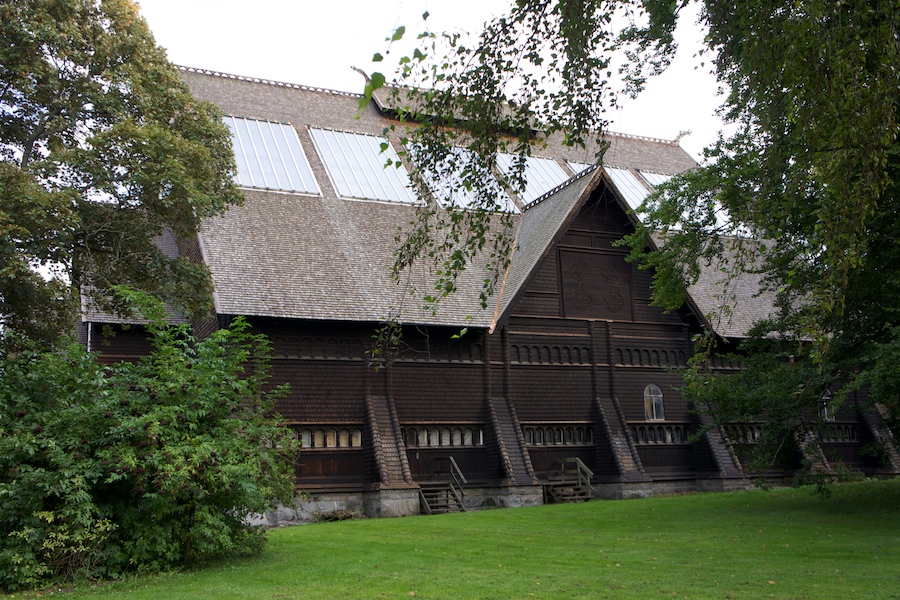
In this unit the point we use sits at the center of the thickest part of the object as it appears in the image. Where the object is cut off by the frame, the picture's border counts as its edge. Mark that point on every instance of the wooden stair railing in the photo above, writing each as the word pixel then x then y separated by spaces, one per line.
pixel 445 495
pixel 570 483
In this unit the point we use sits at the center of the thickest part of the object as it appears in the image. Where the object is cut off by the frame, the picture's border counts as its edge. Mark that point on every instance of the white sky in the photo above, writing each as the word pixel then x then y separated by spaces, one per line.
pixel 316 42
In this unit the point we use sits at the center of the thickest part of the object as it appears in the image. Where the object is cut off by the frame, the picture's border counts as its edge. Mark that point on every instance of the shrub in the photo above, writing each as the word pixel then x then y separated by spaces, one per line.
pixel 138 466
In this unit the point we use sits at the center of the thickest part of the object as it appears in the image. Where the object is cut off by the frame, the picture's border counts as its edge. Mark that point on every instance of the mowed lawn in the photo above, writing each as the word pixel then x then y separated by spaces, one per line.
pixel 785 543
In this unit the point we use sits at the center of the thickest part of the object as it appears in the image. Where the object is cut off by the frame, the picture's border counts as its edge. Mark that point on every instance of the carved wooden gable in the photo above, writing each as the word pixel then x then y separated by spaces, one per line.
pixel 584 276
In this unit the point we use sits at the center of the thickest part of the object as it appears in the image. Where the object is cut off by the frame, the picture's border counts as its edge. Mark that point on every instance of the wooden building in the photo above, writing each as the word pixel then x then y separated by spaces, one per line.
pixel 568 361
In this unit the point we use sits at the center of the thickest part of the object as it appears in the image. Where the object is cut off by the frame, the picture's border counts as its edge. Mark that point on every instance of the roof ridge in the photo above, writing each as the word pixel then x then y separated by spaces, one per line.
pixel 632 136
pixel 636 170
pixel 560 187
pixel 309 88
pixel 271 82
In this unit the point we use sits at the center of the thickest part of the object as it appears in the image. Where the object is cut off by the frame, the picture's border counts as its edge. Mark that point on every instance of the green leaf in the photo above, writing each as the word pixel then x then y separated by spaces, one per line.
pixel 398 33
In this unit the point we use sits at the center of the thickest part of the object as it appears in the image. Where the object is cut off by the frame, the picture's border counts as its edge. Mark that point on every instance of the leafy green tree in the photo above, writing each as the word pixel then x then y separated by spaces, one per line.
pixel 805 192
pixel 102 148
pixel 137 466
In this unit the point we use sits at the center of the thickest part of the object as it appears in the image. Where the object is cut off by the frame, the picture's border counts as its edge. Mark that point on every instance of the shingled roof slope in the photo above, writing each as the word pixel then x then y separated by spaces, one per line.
pixel 749 299
pixel 323 257
pixel 627 151
pixel 90 313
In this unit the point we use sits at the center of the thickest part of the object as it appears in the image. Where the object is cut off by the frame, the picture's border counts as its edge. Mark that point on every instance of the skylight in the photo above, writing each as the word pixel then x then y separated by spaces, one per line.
pixel 449 189
pixel 356 165
pixel 269 156
pixel 578 167
pixel 655 179
pixel 541 175
pixel 628 185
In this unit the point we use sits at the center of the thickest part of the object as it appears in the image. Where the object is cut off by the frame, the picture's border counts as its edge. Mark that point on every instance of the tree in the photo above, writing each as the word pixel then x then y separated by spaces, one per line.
pixel 137 466
pixel 543 74
pixel 102 148
pixel 805 191
pixel 809 183
pixel 140 466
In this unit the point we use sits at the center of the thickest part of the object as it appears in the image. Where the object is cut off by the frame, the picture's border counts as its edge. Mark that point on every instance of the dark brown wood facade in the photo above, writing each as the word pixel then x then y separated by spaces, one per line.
pixel 566 376
pixel 577 363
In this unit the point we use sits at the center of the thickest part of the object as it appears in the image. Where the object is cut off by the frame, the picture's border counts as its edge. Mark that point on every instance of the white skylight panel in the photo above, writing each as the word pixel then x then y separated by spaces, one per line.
pixel 269 156
pixel 356 164
pixel 655 179
pixel 628 185
pixel 578 167
pixel 541 175
pixel 448 188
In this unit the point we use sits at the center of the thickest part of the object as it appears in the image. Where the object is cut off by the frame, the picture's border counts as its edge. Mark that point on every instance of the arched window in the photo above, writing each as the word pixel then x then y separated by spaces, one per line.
pixel 538 436
pixel 356 438
pixel 456 438
pixel 529 435
pixel 330 438
pixel 653 403
pixel 344 438
pixel 319 438
pixel 306 438
pixel 445 437
pixel 827 410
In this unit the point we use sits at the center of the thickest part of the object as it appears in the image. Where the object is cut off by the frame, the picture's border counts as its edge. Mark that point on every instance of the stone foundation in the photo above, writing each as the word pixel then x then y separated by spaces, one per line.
pixel 391 503
pixel 504 497
pixel 405 502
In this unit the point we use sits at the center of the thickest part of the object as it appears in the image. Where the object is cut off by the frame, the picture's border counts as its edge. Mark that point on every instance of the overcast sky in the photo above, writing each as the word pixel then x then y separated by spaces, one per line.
pixel 316 43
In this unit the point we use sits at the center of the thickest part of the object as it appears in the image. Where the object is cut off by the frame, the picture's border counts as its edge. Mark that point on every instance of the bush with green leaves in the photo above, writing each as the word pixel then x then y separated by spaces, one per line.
pixel 137 466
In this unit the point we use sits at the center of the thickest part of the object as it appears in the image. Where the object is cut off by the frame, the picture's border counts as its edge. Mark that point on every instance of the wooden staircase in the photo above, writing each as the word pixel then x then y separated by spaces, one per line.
pixel 570 483
pixel 446 495
pixel 439 497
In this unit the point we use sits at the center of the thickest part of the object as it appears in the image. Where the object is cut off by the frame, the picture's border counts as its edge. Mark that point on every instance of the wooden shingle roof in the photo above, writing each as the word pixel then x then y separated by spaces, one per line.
pixel 322 257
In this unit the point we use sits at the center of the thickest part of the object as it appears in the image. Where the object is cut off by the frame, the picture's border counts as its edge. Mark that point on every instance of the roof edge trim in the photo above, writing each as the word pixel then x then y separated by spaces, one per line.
pixel 271 82
pixel 561 186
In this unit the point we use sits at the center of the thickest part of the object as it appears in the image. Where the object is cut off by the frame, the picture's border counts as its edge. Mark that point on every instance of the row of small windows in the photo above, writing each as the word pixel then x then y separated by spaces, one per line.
pixel 671 434
pixel 751 433
pixel 330 438
pixel 554 436
pixel 570 355
pixel 744 433
pixel 839 433
pixel 421 437
pixel 651 358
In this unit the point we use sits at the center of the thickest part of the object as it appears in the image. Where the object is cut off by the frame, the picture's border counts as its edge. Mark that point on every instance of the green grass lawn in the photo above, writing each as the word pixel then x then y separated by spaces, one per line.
pixel 784 543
